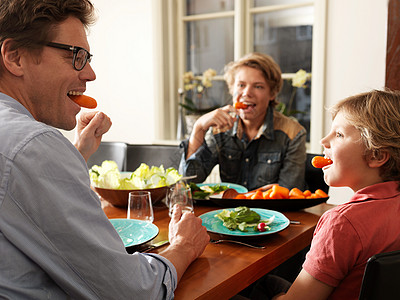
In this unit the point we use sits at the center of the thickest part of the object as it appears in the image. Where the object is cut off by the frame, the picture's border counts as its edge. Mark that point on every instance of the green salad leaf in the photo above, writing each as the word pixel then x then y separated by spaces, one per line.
pixel 108 176
pixel 205 191
pixel 241 218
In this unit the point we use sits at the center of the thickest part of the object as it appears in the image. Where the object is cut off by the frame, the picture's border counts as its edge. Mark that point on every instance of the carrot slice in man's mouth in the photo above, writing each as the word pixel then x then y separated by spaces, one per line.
pixel 84 101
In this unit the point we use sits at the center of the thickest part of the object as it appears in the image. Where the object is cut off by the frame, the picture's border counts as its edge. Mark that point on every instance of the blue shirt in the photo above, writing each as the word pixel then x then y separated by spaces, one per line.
pixel 55 240
pixel 276 155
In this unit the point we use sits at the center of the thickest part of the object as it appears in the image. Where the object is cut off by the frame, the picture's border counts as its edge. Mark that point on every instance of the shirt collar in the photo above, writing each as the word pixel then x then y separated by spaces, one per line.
pixel 11 102
pixel 383 190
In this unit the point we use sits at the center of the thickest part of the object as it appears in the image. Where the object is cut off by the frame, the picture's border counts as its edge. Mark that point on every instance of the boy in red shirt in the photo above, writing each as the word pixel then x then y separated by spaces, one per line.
pixel 364 145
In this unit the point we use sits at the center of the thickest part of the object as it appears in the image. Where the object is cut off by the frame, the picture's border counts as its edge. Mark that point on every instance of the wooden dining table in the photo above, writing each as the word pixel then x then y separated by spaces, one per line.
pixel 225 269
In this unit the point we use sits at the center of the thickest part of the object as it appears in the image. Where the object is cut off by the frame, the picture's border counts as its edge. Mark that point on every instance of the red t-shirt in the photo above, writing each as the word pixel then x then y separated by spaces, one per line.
pixel 349 234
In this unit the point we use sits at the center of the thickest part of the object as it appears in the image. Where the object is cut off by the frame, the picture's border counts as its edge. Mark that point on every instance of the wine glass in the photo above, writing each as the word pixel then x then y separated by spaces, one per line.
pixel 181 195
pixel 140 207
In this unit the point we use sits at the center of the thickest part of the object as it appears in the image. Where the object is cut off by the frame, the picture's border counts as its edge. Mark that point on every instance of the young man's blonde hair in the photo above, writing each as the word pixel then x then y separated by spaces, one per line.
pixel 376 115
pixel 263 62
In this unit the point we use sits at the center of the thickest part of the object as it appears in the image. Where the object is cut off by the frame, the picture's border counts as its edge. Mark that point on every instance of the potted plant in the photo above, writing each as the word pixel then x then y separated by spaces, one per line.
pixel 193 98
pixel 298 81
pixel 195 92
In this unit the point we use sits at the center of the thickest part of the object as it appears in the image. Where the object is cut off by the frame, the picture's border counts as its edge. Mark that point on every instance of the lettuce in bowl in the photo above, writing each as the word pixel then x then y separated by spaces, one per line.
pixel 108 176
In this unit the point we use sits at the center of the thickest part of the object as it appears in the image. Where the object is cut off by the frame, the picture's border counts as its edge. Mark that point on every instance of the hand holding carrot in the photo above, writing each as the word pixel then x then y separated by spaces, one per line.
pixel 89 131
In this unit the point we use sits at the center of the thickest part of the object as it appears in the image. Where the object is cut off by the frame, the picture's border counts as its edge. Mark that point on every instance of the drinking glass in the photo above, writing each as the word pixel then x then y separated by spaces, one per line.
pixel 182 195
pixel 140 207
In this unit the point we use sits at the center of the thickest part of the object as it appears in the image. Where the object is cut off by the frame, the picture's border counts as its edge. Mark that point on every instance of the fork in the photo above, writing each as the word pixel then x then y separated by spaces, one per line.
pixel 237 242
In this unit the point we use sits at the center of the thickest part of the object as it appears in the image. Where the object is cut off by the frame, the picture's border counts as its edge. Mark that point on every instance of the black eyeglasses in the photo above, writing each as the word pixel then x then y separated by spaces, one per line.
pixel 81 55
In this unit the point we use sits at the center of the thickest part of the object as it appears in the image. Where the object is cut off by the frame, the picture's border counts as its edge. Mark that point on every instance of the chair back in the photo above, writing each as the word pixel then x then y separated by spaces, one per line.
pixel 314 176
pixel 116 151
pixel 381 277
pixel 153 155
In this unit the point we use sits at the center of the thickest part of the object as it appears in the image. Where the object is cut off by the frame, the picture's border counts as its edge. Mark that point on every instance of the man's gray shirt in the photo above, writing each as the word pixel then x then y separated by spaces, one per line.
pixel 55 240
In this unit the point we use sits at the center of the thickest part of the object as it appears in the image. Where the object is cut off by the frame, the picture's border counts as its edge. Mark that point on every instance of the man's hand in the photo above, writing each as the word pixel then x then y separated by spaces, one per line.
pixel 186 229
pixel 188 239
pixel 89 131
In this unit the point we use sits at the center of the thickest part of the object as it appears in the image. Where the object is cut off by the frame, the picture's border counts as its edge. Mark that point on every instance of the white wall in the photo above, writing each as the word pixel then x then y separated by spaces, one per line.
pixel 124 60
pixel 356 56
pixel 121 42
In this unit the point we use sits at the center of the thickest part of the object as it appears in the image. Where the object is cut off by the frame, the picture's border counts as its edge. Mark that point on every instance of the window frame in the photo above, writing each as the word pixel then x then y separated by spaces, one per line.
pixel 175 56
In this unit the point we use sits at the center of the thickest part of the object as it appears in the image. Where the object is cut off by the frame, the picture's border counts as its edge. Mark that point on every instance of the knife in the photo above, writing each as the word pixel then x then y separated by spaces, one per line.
pixel 154 246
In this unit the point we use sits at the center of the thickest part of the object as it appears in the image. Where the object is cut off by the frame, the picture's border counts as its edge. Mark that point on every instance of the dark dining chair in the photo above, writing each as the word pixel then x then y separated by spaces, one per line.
pixel 314 177
pixel 153 155
pixel 381 277
pixel 116 151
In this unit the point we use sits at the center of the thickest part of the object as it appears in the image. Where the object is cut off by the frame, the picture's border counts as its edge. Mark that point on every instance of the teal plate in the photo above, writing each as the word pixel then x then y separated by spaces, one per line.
pixel 213 224
pixel 239 188
pixel 134 232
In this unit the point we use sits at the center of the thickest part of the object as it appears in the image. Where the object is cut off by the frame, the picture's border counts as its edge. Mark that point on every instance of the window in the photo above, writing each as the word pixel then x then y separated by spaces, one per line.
pixel 211 33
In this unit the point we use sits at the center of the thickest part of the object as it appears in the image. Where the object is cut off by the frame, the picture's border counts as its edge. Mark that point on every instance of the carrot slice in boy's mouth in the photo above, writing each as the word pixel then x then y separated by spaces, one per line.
pixel 320 162
pixel 240 105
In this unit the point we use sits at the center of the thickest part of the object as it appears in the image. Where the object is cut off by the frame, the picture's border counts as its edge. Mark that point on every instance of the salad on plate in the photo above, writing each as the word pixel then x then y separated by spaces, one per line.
pixel 203 191
pixel 242 218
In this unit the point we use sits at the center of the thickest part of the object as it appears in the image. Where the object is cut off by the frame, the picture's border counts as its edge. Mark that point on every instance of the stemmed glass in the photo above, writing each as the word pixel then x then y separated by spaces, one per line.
pixel 181 195
pixel 140 207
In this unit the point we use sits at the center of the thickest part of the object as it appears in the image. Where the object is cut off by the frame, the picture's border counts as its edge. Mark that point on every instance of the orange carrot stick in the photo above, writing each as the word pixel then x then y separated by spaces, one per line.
pixel 321 193
pixel 240 105
pixel 84 101
pixel 320 162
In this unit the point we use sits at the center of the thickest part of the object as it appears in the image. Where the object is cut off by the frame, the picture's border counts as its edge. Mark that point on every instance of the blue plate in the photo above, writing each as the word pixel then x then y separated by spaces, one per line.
pixel 214 224
pixel 134 232
pixel 239 188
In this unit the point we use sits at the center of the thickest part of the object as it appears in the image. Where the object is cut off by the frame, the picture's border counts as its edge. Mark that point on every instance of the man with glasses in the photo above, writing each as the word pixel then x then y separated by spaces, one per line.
pixel 55 240
pixel 80 55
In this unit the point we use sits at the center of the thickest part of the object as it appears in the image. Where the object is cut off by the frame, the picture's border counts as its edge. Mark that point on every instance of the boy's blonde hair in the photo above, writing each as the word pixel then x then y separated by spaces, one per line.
pixel 263 62
pixel 376 115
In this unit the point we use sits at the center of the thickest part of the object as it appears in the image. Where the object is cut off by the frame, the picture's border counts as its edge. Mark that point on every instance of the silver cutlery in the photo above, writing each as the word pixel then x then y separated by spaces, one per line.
pixel 154 246
pixel 188 177
pixel 237 242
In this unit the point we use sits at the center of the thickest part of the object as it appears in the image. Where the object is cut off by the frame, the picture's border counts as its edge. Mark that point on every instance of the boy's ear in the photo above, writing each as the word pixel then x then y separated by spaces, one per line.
pixel 11 58
pixel 378 160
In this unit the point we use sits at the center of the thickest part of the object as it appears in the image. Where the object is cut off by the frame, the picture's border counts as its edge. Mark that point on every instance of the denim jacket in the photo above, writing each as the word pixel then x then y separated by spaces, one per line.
pixel 276 155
